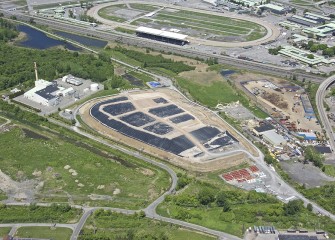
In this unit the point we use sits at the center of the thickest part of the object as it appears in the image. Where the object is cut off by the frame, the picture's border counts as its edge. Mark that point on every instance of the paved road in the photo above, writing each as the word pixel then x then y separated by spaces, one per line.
pixel 320 96
pixel 159 46
pixel 272 31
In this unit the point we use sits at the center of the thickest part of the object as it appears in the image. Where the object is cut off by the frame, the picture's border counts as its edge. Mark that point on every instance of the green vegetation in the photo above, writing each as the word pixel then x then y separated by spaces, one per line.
pixel 217 92
pixel 275 51
pixel 329 170
pixel 144 7
pixel 108 225
pixel 2 121
pixel 4 231
pixel 107 14
pixel 315 47
pixel 44 233
pixel 7 31
pixel 124 30
pixel 16 65
pixel 111 178
pixel 37 214
pixel 211 203
pixel 314 156
pixel 151 61
pixel 211 24
pixel 324 196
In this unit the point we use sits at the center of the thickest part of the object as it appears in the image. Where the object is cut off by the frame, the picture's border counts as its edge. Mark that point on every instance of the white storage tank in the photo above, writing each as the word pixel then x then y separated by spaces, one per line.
pixel 86 90
pixel 94 87
pixel 64 78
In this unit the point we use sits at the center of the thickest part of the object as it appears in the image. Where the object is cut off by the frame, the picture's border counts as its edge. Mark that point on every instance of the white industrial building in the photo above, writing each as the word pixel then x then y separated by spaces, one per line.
pixel 44 93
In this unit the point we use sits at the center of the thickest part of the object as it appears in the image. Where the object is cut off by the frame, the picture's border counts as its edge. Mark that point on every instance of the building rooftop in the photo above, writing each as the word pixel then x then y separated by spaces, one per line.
pixel 152 31
pixel 318 16
pixel 47 92
pixel 272 6
pixel 302 55
pixel 264 128
pixel 296 237
pixel 273 137
pixel 323 149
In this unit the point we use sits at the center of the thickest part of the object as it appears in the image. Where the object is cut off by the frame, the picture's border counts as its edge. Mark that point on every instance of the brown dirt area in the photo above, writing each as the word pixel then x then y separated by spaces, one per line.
pixel 202 116
pixel 295 112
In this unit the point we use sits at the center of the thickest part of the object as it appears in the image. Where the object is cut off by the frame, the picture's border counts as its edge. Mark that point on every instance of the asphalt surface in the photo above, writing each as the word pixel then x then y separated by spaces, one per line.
pixel 160 46
pixel 278 184
pixel 320 96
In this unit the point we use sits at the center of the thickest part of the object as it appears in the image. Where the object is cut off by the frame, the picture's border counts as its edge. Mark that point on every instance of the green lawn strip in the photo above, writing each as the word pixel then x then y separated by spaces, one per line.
pixel 191 26
pixel 104 13
pixel 4 231
pixel 44 233
pixel 141 20
pixel 3 196
pixel 324 196
pixel 330 170
pixel 37 214
pixel 217 92
pixel 144 77
pixel 143 7
pixel 122 226
pixel 212 18
pixel 125 30
pixel 122 57
pixel 113 176
pixel 246 209
pixel 2 120
pixel 206 24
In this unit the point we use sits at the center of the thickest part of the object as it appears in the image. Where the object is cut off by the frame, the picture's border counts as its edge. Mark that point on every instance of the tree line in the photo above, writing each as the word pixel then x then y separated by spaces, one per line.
pixel 159 61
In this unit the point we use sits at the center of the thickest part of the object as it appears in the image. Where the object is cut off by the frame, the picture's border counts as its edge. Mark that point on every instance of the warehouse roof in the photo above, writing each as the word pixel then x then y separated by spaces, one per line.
pixel 47 92
pixel 272 6
pixel 273 137
pixel 318 16
pixel 323 149
pixel 152 31
pixel 264 128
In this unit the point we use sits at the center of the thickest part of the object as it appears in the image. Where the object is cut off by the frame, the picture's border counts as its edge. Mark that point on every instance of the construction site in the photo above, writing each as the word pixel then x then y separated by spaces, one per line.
pixel 163 123
pixel 289 104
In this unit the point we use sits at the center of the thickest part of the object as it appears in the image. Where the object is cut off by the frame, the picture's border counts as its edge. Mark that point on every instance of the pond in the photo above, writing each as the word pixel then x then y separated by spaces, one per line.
pixel 39 40
pixel 87 41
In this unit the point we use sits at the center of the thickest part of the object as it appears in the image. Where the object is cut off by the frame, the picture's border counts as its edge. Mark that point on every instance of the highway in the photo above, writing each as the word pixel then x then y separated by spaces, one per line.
pixel 151 209
pixel 160 46
pixel 320 96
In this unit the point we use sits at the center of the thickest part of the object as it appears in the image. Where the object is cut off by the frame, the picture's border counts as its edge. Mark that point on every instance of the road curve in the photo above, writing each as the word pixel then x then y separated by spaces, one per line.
pixel 160 46
pixel 272 32
pixel 320 96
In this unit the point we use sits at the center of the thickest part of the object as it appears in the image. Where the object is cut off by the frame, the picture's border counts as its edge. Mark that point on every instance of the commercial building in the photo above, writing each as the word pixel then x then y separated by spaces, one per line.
pixel 163 36
pixel 308 136
pixel 276 9
pixel 44 93
pixel 321 31
pixel 309 112
pixel 263 128
pixel 274 138
pixel 304 56
pixel 303 21
pixel 320 18
pixel 290 25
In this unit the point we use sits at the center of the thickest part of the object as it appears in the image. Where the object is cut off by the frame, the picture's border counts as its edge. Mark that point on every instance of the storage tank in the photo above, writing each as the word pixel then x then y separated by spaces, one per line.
pixel 64 78
pixel 94 87
pixel 86 90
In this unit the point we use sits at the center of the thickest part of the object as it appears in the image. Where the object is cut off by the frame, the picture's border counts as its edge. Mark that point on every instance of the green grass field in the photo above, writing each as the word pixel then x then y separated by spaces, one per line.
pixel 2 120
pixel 217 92
pixel 113 179
pixel 246 209
pixel 204 24
pixel 4 231
pixel 330 170
pixel 108 13
pixel 121 226
pixel 44 233
pixel 37 214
